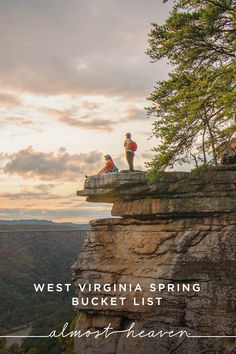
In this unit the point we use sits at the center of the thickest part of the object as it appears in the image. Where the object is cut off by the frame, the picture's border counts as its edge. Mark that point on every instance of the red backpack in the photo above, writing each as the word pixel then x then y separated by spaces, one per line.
pixel 134 146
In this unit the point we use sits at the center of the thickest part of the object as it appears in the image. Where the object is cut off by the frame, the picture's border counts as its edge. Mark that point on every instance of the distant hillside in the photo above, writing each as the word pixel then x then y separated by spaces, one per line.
pixel 27 221
pixel 28 257
pixel 35 224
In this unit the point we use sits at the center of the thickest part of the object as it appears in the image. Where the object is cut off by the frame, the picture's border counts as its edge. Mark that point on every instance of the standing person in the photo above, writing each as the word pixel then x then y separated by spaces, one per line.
pixel 130 148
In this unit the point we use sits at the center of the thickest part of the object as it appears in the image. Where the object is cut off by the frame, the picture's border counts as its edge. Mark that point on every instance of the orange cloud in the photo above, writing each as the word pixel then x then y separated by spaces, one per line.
pixel 9 100
pixel 84 121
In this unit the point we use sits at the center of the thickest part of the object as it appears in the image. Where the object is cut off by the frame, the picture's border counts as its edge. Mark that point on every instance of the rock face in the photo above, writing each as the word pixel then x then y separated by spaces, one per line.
pixel 176 239
pixel 228 154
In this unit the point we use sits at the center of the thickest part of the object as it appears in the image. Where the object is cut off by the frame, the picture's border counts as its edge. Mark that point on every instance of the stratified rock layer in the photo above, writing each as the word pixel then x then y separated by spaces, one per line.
pixel 179 232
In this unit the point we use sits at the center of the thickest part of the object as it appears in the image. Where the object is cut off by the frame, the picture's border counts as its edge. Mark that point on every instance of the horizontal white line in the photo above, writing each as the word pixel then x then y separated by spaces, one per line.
pixel 188 336
pixel 24 336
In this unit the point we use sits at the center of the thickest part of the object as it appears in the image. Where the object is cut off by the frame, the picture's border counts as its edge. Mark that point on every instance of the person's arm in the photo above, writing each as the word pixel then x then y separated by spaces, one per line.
pixel 126 143
pixel 107 167
pixel 102 170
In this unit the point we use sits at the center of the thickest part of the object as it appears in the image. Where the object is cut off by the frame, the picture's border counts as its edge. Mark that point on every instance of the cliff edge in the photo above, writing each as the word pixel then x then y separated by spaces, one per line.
pixel 176 240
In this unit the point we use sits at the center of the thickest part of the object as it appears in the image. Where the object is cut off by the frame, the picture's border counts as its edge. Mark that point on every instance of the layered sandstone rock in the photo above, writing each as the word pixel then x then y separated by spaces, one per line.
pixel 228 152
pixel 179 232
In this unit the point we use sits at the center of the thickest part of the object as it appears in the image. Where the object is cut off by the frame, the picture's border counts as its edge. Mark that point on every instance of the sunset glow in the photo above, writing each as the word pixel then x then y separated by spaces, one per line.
pixel 74 78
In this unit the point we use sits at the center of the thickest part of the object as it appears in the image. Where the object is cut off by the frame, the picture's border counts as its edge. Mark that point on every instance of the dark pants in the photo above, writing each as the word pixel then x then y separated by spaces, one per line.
pixel 130 159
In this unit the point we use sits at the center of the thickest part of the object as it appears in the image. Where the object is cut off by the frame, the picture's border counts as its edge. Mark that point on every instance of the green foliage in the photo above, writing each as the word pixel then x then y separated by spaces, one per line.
pixel 195 108
pixel 156 176
pixel 68 342
pixel 198 172
pixel 3 346
pixel 36 257
pixel 45 325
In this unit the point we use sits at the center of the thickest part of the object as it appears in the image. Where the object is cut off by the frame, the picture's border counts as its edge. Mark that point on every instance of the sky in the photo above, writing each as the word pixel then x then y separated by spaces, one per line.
pixel 74 78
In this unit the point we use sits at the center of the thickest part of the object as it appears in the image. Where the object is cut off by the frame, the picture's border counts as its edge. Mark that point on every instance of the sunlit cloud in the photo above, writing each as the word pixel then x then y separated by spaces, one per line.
pixel 135 114
pixel 65 55
pixel 84 117
pixel 44 187
pixel 9 100
pixel 15 121
pixel 28 195
pixel 84 121
pixel 28 163
pixel 74 79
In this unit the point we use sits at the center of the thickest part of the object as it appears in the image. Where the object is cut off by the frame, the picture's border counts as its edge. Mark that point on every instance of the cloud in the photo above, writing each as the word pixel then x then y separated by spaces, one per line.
pixel 24 195
pixel 39 191
pixel 77 46
pixel 20 120
pixel 147 155
pixel 90 121
pixel 45 187
pixel 134 114
pixel 15 121
pixel 146 134
pixel 92 124
pixel 84 121
pixel 9 100
pixel 63 214
pixel 29 163
pixel 91 105
pixel 3 158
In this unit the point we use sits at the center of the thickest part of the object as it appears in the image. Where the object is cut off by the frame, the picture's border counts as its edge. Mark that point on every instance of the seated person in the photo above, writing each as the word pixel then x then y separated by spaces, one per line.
pixel 109 167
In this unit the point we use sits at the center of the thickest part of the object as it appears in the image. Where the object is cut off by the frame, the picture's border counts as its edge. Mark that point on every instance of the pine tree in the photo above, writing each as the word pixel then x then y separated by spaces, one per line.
pixel 195 108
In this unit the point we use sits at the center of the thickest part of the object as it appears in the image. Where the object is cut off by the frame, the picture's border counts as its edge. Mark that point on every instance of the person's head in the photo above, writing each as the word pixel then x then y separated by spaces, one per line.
pixel 128 135
pixel 107 157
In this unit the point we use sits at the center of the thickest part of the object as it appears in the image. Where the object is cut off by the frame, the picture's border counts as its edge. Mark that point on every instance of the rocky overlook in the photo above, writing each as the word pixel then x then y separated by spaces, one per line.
pixel 179 230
